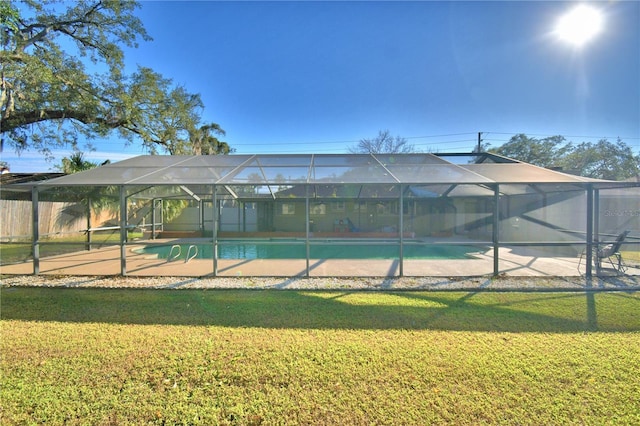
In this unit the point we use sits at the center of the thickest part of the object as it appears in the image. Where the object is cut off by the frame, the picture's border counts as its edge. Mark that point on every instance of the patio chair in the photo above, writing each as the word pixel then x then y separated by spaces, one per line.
pixel 609 253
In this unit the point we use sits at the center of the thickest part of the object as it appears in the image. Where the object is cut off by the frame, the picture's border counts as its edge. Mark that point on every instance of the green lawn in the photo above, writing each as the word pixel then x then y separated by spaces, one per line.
pixel 101 356
pixel 12 252
pixel 631 256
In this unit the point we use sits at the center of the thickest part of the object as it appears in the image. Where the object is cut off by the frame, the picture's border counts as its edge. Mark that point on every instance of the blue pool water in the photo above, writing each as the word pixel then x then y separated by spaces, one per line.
pixel 297 250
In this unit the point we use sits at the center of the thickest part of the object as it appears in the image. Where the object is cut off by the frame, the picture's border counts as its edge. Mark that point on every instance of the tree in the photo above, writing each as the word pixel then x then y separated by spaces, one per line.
pixel 62 77
pixel 544 152
pixel 384 143
pixel 602 160
pixel 203 142
pixel 76 163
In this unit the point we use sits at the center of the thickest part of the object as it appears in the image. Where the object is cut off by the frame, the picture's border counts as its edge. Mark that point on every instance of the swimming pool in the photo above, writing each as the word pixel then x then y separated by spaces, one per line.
pixel 297 250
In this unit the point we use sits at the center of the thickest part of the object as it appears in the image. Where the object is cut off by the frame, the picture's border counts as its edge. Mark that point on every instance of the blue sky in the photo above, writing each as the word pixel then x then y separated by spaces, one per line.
pixel 301 77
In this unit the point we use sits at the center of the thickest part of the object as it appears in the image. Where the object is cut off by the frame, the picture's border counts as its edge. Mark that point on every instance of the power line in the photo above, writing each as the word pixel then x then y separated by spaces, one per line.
pixel 439 136
pixel 248 144
pixel 446 142
pixel 444 135
pixel 565 136
pixel 339 145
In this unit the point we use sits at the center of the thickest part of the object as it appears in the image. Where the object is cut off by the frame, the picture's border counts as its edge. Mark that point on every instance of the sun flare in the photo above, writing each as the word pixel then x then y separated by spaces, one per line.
pixel 580 25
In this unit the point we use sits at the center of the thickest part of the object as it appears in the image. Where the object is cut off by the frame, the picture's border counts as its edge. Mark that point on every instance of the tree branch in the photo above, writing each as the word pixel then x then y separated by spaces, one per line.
pixel 24 118
pixel 64 26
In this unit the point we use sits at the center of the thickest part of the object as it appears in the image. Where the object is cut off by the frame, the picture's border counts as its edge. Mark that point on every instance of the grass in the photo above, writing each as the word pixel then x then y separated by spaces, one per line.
pixel 633 256
pixel 12 252
pixel 122 356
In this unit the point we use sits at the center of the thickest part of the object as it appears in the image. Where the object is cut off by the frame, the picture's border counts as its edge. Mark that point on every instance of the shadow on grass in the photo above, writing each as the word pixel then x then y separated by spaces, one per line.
pixel 468 311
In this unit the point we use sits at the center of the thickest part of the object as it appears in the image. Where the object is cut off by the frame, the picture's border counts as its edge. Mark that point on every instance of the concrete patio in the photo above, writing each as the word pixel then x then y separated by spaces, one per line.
pixel 106 261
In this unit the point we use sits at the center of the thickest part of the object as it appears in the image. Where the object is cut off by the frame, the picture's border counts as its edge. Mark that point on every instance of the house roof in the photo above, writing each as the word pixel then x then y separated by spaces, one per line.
pixel 14 178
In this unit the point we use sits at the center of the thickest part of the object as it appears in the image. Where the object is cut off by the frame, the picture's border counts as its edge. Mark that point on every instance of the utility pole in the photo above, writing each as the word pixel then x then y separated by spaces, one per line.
pixel 479 148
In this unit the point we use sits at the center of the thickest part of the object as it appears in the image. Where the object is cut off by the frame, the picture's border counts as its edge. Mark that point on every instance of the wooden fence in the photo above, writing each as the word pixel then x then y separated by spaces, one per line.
pixel 55 219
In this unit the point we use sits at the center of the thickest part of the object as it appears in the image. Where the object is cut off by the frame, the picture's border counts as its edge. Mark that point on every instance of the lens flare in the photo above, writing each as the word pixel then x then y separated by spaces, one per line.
pixel 580 25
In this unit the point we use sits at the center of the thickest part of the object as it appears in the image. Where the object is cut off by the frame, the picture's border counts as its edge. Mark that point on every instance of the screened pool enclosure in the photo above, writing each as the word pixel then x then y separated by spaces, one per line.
pixel 321 215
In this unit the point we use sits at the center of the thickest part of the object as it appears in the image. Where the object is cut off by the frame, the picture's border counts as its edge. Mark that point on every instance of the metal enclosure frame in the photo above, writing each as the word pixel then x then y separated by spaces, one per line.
pixel 306 177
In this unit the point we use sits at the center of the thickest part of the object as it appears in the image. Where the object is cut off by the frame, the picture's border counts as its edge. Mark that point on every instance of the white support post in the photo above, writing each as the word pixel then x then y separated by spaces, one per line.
pixel 123 232
pixel 214 200
pixel 590 234
pixel 401 229
pixel 307 230
pixel 495 231
pixel 35 231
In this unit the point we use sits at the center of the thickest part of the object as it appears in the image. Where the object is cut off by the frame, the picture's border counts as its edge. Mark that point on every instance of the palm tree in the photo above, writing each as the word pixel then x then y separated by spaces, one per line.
pixel 203 141
pixel 76 163
pixel 82 199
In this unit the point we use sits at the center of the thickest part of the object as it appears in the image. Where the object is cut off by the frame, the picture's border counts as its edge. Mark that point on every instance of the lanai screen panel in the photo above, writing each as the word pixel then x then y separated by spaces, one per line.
pixel 448 190
pixel 358 168
pixel 201 169
pixel 266 169
pixel 157 170
pixel 428 168
pixel 618 212
pixel 313 169
pixel 104 175
pixel 521 173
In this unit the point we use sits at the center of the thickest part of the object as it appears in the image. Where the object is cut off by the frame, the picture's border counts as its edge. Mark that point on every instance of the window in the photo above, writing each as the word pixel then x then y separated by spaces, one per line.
pixel 318 209
pixel 360 206
pixel 338 206
pixel 288 208
pixel 387 208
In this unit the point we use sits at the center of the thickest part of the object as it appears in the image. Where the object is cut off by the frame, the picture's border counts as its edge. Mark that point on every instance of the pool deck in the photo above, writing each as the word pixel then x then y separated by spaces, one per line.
pixel 516 261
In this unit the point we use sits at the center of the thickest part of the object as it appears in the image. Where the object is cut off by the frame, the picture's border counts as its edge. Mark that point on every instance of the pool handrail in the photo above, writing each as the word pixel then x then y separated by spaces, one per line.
pixel 195 253
pixel 170 257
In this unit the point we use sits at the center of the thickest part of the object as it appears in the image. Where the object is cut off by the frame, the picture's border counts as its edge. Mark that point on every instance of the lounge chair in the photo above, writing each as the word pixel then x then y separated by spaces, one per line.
pixel 609 253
